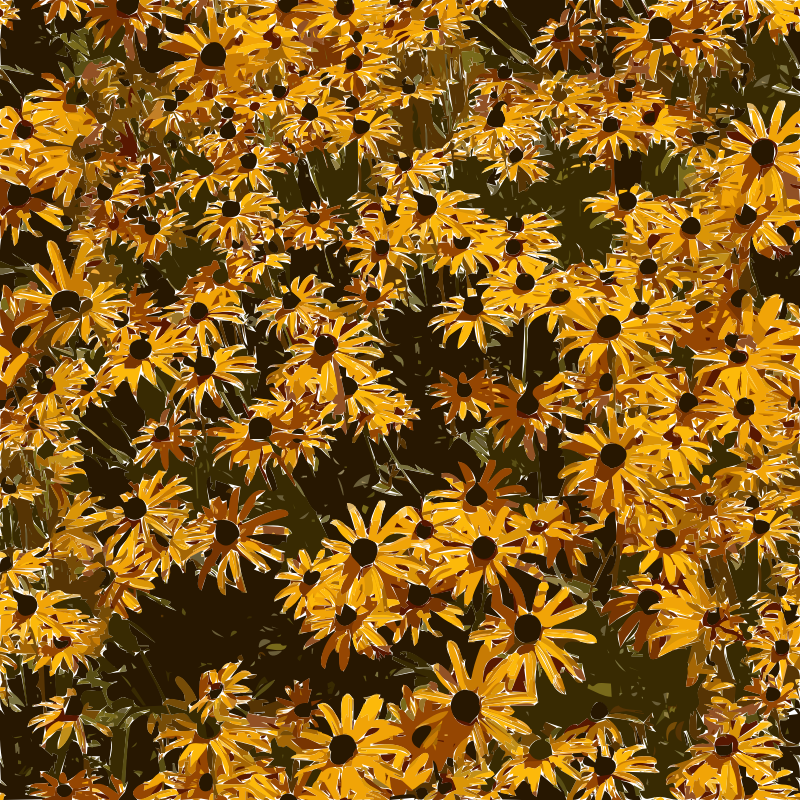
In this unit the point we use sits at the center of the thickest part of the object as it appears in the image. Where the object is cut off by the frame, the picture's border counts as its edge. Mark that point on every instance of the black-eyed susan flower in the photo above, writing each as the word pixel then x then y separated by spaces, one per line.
pixel 354 748
pixel 475 707
pixel 226 533
pixel 529 638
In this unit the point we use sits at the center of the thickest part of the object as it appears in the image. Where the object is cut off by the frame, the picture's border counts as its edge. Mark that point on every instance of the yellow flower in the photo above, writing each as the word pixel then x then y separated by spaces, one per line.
pixel 474 708
pixel 352 753
pixel 529 638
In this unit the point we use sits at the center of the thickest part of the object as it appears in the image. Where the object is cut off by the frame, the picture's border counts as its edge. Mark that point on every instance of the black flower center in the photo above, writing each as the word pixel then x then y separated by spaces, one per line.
pixel 325 345
pixel 527 405
pixel 466 706
pixel 135 508
pixel 259 429
pixel 687 402
pixel 311 577
pixel 45 385
pixel 513 247
pixel 161 433
pixel 290 301
pixel 666 539
pixel 560 296
pixel 496 118
pixel 360 127
pixel 206 782
pixel 204 366
pixel 606 382
pixel 760 527
pixel 515 224
pixel 782 647
pixel 640 308
pixel 198 311
pixel 627 201
pixel 515 156
pixel 231 209
pixel 525 282
pixel 347 616
pixel 476 496
pixel 303 710
pixel 426 205
pixel 226 532
pixel 691 226
pixel 309 112
pixel 604 766
pixel 64 790
pixel 424 529
pixel 528 628
pixel 540 750
pixel 609 326
pixel 712 618
pixel 745 407
pixel 473 305
pixel 26 604
pixel 598 711
pixel 484 548
pixel 648 267
pixel 420 735
pixel 464 390
pixel 213 55
pixel 739 357
pixel 724 746
pixel 18 195
pixel 418 595
pixel 23 129
pixel 772 694
pixel 747 216
pixel 613 455
pixel 364 551
pixel 60 642
pixel 20 335
pixel 382 247
pixel 140 349
pixel 611 125
pixel 659 29
pixel 561 33
pixel 249 161
pixel 65 300
pixel 215 690
pixel 343 748
pixel 764 151
pixel 647 599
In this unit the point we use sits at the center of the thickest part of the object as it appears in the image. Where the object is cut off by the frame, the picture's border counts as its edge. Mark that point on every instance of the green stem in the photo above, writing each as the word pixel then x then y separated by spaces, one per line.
pixel 122 456
pixel 525 353
pixel 400 467
pixel 24 684
pixel 125 753
pixel 372 456
pixel 518 54
pixel 424 284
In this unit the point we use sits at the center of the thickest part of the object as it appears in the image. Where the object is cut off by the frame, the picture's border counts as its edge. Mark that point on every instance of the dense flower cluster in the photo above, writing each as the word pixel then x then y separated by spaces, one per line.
pixel 228 203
